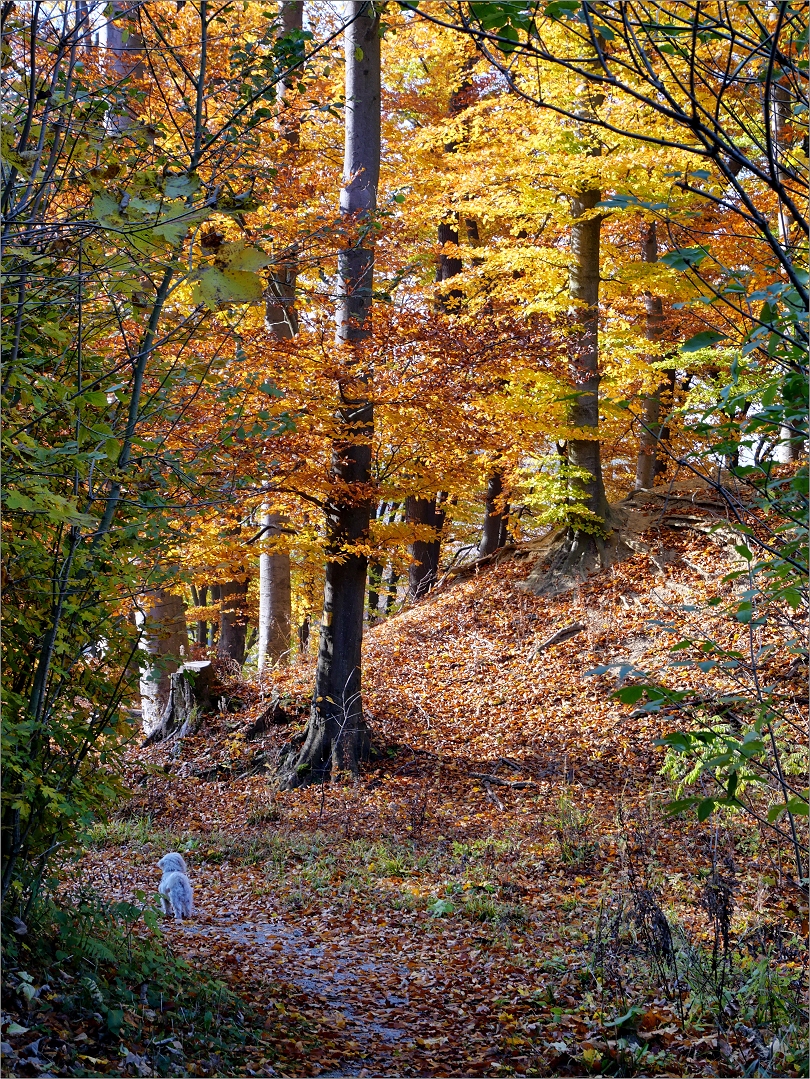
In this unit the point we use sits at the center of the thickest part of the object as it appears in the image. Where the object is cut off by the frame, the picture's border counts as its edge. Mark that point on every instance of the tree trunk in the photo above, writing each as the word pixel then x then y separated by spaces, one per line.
pixel 164 639
pixel 275 599
pixel 127 55
pixel 391 582
pixel 190 692
pixel 213 627
pixel 281 317
pixel 503 538
pixel 493 516
pixel 375 569
pixel 585 453
pixel 337 738
pixel 199 597
pixel 424 570
pixel 232 621
pixel 647 465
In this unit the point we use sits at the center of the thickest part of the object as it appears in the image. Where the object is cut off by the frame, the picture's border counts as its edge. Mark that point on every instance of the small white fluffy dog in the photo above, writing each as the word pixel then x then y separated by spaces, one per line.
pixel 175 887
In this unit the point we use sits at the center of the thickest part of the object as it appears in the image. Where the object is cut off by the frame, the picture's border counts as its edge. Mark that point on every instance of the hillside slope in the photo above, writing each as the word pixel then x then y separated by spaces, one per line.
pixel 489 897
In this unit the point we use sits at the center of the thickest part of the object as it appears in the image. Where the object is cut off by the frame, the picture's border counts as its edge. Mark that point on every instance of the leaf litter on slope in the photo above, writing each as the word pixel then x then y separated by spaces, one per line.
pixel 413 924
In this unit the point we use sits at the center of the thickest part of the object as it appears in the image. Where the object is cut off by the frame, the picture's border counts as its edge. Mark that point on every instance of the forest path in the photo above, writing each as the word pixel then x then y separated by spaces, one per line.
pixel 348 987
pixel 388 992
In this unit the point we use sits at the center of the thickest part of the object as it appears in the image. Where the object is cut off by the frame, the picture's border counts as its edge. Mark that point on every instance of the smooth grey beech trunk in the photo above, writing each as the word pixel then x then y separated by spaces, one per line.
pixel 375 568
pixel 648 464
pixel 337 738
pixel 164 640
pixel 281 319
pixel 275 602
pixel 586 453
pixel 281 316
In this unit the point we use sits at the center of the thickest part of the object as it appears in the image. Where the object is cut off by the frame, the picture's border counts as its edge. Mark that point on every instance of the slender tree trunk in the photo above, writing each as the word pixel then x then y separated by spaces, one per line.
pixel 232 621
pixel 375 569
pixel 503 538
pixel 391 579
pixel 162 619
pixel 337 738
pixel 275 599
pixel 493 516
pixel 281 317
pixel 424 569
pixel 199 597
pixel 391 584
pixel 585 453
pixel 213 627
pixel 649 440
pixel 127 55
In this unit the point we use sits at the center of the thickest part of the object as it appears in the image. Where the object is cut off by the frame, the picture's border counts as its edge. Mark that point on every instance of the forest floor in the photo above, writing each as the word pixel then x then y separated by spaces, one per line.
pixel 432 921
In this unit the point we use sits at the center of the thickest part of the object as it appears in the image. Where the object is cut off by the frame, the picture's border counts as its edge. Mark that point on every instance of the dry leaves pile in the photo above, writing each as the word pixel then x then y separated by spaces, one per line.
pixel 447 915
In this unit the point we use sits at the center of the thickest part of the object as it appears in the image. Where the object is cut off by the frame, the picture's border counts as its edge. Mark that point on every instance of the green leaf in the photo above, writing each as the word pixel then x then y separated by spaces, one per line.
pixel 180 187
pixel 105 207
pixel 358 54
pixel 703 340
pixel 684 258
pixel 677 740
pixel 628 1019
pixel 752 748
pixel 561 9
pixel 238 257
pixel 440 908
pixel 630 694
pixel 217 288
pixel 151 919
pixel 115 1020
pixel 679 806
pixel 731 786
pixel 705 809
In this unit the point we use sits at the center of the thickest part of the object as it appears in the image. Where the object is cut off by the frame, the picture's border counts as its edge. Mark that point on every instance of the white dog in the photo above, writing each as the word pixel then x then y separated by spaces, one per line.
pixel 175 887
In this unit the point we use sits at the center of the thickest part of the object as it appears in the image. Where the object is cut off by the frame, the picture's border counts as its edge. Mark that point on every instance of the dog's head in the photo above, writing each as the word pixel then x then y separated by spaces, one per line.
pixel 172 863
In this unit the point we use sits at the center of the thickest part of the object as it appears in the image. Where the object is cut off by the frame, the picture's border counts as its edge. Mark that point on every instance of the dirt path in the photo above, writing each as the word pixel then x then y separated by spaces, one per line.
pixel 391 992
pixel 348 986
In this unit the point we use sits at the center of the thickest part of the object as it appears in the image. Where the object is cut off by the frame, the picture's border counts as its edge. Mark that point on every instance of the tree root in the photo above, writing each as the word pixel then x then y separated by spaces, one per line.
pixel 571 557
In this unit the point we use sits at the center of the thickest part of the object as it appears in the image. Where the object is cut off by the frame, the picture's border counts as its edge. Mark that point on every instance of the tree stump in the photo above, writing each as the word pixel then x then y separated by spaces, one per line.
pixel 189 697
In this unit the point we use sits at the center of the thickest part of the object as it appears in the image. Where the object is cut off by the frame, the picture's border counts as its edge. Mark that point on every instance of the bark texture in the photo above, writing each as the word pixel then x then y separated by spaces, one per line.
pixel 493 533
pixel 585 453
pixel 275 599
pixel 232 621
pixel 581 549
pixel 649 463
pixel 337 738
pixel 424 570
pixel 164 639
pixel 375 569
pixel 190 692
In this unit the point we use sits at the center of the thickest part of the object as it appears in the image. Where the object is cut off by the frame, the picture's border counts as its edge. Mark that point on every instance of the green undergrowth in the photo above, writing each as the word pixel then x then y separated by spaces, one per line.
pixel 100 991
